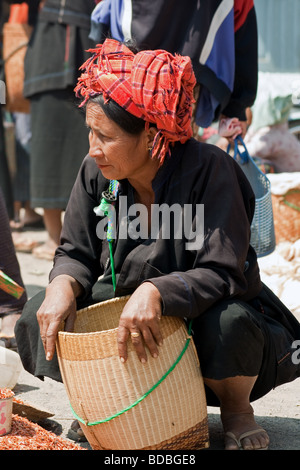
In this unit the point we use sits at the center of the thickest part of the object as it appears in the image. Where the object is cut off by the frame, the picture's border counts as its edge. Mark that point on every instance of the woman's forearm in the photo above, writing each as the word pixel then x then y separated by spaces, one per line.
pixel 65 281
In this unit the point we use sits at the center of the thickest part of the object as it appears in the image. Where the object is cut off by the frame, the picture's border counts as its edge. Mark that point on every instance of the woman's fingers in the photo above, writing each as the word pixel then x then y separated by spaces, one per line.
pixel 143 335
pixel 140 339
pixel 139 323
pixel 139 345
pixel 48 337
pixel 136 337
pixel 50 327
pixel 122 338
pixel 153 340
pixel 58 306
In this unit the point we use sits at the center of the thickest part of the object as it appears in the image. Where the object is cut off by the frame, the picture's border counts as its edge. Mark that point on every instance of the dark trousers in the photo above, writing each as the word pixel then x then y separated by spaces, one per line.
pixel 5 178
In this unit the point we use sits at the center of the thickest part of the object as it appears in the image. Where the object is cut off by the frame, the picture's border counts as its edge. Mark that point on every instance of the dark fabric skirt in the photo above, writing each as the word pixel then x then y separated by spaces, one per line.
pixel 5 178
pixel 58 146
pixel 233 338
pixel 23 138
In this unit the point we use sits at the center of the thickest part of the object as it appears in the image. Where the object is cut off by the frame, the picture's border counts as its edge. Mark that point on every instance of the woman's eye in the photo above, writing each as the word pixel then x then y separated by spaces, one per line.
pixel 99 135
pixel 89 129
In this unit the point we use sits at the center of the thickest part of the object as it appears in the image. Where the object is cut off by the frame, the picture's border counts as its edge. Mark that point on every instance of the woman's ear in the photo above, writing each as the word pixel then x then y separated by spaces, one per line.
pixel 151 133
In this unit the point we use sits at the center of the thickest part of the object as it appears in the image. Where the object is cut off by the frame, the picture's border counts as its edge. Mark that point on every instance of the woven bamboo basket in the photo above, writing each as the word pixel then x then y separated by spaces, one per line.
pixel 286 213
pixel 128 406
pixel 15 41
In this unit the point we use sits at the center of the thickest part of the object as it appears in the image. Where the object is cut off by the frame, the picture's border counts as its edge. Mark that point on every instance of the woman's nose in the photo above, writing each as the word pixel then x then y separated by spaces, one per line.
pixel 95 147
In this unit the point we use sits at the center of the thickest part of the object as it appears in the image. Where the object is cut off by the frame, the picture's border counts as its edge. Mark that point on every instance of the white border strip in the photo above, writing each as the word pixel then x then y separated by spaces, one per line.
pixel 127 19
pixel 221 13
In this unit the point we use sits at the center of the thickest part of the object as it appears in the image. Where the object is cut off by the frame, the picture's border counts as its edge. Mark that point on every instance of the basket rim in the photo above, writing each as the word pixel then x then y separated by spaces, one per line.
pixel 89 308
pixel 113 300
pixel 90 333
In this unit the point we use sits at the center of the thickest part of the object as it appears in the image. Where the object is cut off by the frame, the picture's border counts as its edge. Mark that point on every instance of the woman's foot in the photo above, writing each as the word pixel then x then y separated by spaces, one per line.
pixel 33 221
pixel 23 244
pixel 240 428
pixel 45 251
pixel 7 333
pixel 30 219
pixel 242 431
pixel 8 323
pixel 16 225
pixel 53 224
pixel 76 433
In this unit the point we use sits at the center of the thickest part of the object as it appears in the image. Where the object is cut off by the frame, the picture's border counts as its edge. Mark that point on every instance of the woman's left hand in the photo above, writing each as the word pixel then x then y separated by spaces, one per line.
pixel 140 321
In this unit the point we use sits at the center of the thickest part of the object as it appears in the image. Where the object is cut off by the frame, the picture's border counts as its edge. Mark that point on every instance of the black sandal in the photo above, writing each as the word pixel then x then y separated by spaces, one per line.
pixel 9 343
pixel 76 433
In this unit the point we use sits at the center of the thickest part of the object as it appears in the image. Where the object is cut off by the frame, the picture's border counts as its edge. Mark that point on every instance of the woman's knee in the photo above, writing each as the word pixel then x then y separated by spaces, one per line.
pixel 229 339
pixel 229 321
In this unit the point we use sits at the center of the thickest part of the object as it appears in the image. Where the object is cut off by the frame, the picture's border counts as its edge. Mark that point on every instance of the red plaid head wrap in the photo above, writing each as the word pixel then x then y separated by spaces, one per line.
pixel 153 85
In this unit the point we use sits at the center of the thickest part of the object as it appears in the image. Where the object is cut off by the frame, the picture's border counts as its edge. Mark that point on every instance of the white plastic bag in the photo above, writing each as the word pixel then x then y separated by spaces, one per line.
pixel 10 368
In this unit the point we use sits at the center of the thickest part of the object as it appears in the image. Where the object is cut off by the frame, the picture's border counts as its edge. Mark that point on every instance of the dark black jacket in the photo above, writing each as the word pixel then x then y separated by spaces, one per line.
pixel 189 280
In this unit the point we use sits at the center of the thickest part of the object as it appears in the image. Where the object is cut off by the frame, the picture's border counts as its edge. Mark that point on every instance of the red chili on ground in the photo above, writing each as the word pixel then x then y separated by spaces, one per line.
pixel 6 393
pixel 26 435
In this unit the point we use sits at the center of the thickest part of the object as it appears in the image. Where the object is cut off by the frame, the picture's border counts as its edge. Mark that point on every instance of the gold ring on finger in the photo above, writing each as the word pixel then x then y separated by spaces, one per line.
pixel 135 334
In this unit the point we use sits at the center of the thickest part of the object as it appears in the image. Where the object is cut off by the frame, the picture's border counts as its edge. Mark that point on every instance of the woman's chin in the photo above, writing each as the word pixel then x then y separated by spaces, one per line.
pixel 107 171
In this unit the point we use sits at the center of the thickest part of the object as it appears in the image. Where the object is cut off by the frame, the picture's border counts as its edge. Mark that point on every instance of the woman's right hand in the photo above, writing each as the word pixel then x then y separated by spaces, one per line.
pixel 59 305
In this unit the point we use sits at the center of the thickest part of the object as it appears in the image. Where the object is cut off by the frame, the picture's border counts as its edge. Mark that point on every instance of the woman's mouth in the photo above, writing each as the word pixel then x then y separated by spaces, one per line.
pixel 101 166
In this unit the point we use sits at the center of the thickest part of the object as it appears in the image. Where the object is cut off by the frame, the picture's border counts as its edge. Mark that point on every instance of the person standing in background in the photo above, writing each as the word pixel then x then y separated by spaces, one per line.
pixel 21 18
pixel 5 180
pixel 220 37
pixel 10 306
pixel 59 137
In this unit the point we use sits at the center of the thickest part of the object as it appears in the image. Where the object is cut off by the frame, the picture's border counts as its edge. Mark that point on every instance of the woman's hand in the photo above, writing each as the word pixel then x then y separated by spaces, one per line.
pixel 140 321
pixel 59 305
pixel 230 128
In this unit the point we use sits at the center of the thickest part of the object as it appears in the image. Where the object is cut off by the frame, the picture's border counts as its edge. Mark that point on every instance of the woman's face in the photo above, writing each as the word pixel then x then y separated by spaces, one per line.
pixel 117 154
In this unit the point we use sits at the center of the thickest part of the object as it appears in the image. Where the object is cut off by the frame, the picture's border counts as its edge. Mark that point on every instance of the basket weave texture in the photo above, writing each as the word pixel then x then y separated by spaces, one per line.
pixel 262 226
pixel 173 416
pixel 286 212
pixel 15 40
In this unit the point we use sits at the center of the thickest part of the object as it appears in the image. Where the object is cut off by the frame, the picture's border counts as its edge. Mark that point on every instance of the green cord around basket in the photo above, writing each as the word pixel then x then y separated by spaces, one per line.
pixel 105 420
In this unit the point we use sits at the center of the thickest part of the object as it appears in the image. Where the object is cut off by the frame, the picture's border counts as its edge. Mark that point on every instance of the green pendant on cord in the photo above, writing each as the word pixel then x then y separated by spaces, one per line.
pixel 107 202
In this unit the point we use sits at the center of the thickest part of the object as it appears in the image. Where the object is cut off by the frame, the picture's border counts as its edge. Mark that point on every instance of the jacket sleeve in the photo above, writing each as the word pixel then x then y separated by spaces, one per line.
pixel 246 60
pixel 79 252
pixel 224 266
